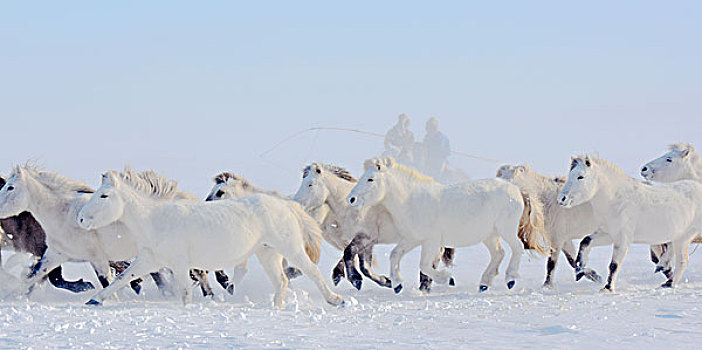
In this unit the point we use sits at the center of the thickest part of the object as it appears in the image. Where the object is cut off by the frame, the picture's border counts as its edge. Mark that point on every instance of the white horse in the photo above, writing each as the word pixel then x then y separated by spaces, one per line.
pixel 181 235
pixel 631 211
pixel 562 225
pixel 681 162
pixel 432 215
pixel 328 185
pixel 230 186
pixel 54 201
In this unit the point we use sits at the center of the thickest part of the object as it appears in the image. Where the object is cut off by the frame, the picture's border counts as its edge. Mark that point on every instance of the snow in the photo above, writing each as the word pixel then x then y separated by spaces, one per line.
pixel 571 315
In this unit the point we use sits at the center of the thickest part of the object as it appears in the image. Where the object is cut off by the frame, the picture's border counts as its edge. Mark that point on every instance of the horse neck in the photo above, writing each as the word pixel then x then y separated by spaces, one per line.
pixel 137 211
pixel 399 194
pixel 49 207
pixel 338 189
pixel 695 166
pixel 610 184
pixel 543 186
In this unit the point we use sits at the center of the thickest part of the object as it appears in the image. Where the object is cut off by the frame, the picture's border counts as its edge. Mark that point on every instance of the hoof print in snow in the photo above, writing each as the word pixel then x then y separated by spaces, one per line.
pixel 452 282
pixel 398 289
pixel 482 288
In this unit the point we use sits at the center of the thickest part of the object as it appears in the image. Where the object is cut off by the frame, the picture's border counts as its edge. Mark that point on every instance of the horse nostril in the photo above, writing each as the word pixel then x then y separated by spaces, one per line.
pixel 352 200
pixel 81 220
pixel 563 199
pixel 644 169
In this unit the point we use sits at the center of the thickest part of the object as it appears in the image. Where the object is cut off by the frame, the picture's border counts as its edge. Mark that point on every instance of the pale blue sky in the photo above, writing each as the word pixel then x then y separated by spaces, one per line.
pixel 192 88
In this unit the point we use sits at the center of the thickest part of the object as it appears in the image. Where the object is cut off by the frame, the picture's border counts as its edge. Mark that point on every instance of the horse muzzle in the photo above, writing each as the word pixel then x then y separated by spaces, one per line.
pixel 565 201
pixel 647 172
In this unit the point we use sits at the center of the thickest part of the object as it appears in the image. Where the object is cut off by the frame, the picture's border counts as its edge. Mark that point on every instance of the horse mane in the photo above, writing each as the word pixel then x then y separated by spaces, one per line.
pixel 53 180
pixel 692 153
pixel 246 184
pixel 153 185
pixel 412 173
pixel 604 163
pixel 340 172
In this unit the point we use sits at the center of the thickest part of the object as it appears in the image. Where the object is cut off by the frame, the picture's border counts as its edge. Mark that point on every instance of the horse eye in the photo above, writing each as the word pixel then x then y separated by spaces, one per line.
pixel 10 188
pixel 310 185
pixel 580 177
pixel 669 160
pixel 219 193
pixel 103 196
pixel 370 180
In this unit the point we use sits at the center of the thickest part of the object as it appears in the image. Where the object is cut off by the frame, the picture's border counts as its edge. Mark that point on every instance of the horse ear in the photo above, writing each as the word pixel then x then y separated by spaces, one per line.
pixel 389 162
pixel 684 152
pixel 109 178
pixel 500 170
pixel 587 162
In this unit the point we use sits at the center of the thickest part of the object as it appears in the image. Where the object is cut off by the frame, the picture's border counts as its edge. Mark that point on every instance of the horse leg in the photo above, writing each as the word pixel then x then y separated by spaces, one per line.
pixel 200 276
pixel 621 247
pixel 656 251
pixel 569 251
pixel 49 261
pixel 56 279
pixel 291 272
pixel 551 264
pixel 395 257
pixel 431 253
pixel 299 258
pixel 354 248
pixel 239 273
pixel 665 263
pixel 682 256
pixel 365 259
pixel 142 265
pixel 223 281
pixel 272 265
pixel 424 280
pixel 582 270
pixel 496 255
pixel 338 272
pixel 516 248
pixel 448 255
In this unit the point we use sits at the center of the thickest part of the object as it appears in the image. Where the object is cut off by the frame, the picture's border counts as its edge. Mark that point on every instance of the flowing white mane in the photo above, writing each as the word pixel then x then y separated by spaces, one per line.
pixel 152 184
pixel 607 165
pixel 52 180
pixel 340 172
pixel 245 184
pixel 406 171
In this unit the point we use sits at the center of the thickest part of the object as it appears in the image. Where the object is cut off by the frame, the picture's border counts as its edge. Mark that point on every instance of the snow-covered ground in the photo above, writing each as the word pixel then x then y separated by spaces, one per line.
pixel 572 315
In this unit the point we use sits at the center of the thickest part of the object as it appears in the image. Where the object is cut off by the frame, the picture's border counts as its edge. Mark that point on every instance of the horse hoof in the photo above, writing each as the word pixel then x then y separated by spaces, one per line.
pixel 93 302
pixel 667 284
pixel 336 280
pixel 593 276
pixel 510 284
pixel 387 283
pixel 607 288
pixel 482 288
pixel 452 282
pixel 579 275
pixel 357 284
pixel 398 289
pixel 136 287
pixel 658 269
pixel 230 289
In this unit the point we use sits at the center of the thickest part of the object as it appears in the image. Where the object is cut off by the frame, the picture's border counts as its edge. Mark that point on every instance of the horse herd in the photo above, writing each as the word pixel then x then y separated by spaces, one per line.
pixel 139 224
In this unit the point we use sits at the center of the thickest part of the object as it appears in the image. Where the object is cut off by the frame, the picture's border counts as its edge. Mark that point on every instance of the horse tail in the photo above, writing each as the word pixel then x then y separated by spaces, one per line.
pixel 531 226
pixel 311 234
